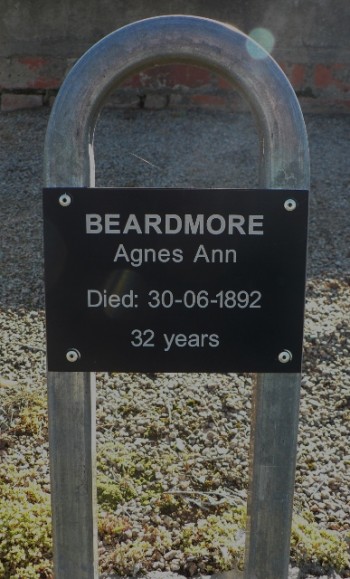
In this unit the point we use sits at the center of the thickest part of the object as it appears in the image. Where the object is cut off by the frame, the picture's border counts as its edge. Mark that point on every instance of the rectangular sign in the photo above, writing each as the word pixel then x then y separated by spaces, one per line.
pixel 175 280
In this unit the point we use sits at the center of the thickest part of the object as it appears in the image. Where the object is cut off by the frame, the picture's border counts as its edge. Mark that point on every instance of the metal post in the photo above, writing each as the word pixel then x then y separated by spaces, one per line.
pixel 72 437
pixel 273 454
pixel 284 163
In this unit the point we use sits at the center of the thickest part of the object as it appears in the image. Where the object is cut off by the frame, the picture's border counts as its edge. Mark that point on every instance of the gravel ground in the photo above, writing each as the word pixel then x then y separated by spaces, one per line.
pixel 189 434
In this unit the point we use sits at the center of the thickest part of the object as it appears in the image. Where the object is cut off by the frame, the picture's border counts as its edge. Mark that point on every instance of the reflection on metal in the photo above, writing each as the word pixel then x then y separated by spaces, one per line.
pixel 69 161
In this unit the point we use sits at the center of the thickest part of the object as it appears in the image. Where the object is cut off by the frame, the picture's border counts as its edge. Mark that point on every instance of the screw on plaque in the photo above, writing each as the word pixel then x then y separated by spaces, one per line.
pixel 73 355
pixel 290 204
pixel 65 200
pixel 285 356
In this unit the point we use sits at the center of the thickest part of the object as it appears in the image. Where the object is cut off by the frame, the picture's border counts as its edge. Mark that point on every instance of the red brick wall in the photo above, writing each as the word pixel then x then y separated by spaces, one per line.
pixel 39 42
pixel 320 87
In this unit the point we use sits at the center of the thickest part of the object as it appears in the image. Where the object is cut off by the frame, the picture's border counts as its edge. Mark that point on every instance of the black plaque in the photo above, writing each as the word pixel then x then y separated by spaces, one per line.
pixel 175 280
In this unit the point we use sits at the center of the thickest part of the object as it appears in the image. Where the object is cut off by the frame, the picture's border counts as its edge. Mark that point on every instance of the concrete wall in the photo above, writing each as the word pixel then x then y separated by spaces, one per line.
pixel 41 39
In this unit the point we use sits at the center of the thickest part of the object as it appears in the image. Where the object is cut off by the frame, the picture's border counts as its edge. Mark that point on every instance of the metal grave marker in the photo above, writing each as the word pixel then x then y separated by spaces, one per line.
pixel 180 304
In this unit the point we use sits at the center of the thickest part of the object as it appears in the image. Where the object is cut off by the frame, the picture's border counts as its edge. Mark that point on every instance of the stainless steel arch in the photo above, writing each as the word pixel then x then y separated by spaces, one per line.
pixel 69 161
pixel 193 40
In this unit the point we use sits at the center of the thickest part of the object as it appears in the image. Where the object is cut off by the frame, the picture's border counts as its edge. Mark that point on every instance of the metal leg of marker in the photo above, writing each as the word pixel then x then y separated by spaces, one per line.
pixel 273 457
pixel 71 398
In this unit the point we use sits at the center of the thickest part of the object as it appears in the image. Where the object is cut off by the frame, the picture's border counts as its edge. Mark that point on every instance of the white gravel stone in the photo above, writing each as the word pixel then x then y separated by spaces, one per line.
pixel 197 425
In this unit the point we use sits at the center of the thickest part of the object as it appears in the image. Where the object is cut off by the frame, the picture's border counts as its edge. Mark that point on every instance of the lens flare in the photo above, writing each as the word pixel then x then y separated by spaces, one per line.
pixel 264 38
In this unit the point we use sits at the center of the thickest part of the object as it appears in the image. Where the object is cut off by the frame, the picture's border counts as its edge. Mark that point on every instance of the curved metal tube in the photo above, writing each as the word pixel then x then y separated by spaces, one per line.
pixel 191 40
pixel 69 161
